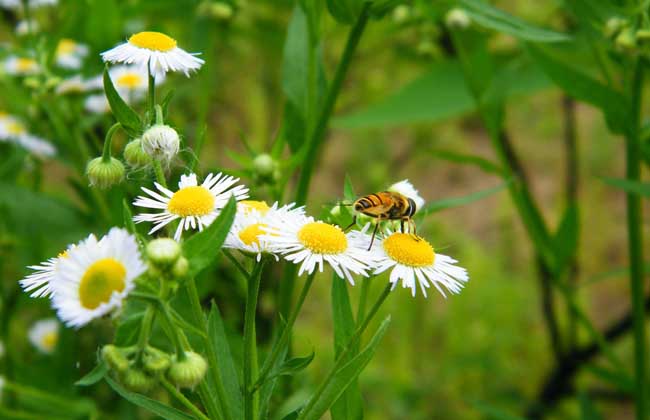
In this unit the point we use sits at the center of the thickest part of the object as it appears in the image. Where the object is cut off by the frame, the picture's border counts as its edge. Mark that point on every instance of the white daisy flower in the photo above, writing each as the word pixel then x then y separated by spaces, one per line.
pixel 247 231
pixel 302 240
pixel 44 335
pixel 23 27
pixel 95 277
pixel 10 127
pixel 155 49
pixel 40 282
pixel 412 260
pixel 21 66
pixel 408 190
pixel 195 205
pixel 37 146
pixel 72 85
pixel 131 80
pixel 70 54
pixel 97 104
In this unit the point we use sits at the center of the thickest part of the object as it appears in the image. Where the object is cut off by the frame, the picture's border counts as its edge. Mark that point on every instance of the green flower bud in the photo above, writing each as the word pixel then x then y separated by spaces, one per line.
pixel 189 372
pixel 115 358
pixel 135 156
pixel 155 361
pixel 401 13
pixel 614 26
pixel 163 251
pixel 626 39
pixel 161 142
pixel 264 165
pixel 643 35
pixel 181 268
pixel 32 82
pixel 104 174
pixel 52 82
pixel 221 11
pixel 457 18
pixel 138 381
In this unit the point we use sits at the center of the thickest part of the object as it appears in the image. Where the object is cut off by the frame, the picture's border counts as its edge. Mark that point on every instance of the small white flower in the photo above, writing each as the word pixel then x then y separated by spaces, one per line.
pixel 70 54
pixel 10 127
pixel 195 205
pixel 302 240
pixel 408 190
pixel 72 85
pixel 131 79
pixel 457 18
pixel 21 66
pixel 37 146
pixel 412 260
pixel 44 335
pixel 24 26
pixel 155 49
pixel 97 104
pixel 40 282
pixel 95 277
pixel 247 232
pixel 161 142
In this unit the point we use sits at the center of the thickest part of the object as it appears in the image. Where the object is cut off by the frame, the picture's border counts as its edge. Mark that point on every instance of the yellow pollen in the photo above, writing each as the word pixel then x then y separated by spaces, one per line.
pixel 409 250
pixel 49 340
pixel 63 254
pixel 323 238
pixel 260 206
pixel 16 128
pixel 129 80
pixel 155 41
pixel 101 279
pixel 191 201
pixel 66 46
pixel 250 234
pixel 25 64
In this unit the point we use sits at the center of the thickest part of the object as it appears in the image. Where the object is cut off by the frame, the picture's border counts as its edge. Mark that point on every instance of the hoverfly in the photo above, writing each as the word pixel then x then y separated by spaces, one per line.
pixel 385 205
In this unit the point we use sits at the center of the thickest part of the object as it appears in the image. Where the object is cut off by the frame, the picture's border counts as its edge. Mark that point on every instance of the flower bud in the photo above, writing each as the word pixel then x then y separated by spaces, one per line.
pixel 221 11
pixel 135 156
pixel 161 142
pixel 613 26
pixel 163 251
pixel 189 372
pixel 155 361
pixel 138 381
pixel 457 18
pixel 264 165
pixel 115 358
pixel 401 13
pixel 626 39
pixel 104 174
pixel 643 36
pixel 181 268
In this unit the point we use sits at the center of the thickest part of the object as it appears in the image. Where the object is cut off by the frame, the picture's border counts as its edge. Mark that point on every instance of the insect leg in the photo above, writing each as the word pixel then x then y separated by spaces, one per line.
pixel 354 222
pixel 374 232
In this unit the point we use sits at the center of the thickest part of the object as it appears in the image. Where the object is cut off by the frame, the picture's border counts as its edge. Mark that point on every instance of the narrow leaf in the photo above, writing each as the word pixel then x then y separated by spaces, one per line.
pixel 94 375
pixel 493 413
pixel 565 241
pixel 447 203
pixel 635 187
pixel 292 366
pixel 587 408
pixel 466 159
pixel 123 113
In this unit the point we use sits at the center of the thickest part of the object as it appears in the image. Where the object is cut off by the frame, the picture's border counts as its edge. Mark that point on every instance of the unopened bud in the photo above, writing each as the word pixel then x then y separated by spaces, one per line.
pixel 161 142
pixel 115 358
pixel 163 251
pixel 135 156
pixel 189 372
pixel 626 39
pixel 137 380
pixel 614 26
pixel 103 174
pixel 643 35
pixel 155 361
pixel 401 13
pixel 457 19
pixel 264 165
pixel 181 268
pixel 221 11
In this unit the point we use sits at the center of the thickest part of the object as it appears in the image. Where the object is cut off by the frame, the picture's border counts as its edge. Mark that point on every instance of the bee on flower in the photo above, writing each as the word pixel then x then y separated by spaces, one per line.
pixel 69 54
pixel 44 335
pixel 195 206
pixel 21 66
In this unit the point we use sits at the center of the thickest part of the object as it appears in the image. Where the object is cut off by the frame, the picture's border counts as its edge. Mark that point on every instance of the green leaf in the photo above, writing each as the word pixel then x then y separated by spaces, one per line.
pixel 473 160
pixel 584 88
pixel 158 408
pixel 348 189
pixel 345 11
pixel 123 113
pixel 165 102
pixel 128 217
pixel 128 330
pixel 565 241
pixel 349 406
pixel 613 377
pixel 493 413
pixel 225 361
pixel 345 376
pixel 490 17
pixel 202 249
pixel 292 366
pixel 588 410
pixel 634 187
pixel 94 375
pixel 447 203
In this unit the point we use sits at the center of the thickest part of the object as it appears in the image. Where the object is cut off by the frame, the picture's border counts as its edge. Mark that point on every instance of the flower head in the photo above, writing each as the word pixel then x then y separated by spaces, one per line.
pixel 408 190
pixel 44 335
pixel 21 66
pixel 155 49
pixel 195 205
pixel 412 259
pixel 72 85
pixel 105 174
pixel 161 142
pixel 70 54
pixel 95 277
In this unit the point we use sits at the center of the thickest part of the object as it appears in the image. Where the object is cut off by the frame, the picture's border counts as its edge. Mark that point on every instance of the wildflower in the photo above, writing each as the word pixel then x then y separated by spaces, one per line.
pixel 104 174
pixel 11 128
pixel 21 66
pixel 25 26
pixel 157 50
pixel 72 85
pixel 131 80
pixel 412 258
pixel 161 142
pixel 302 240
pixel 247 231
pixel 70 54
pixel 37 146
pixel 457 19
pixel 40 282
pixel 95 277
pixel 44 335
pixel 188 372
pixel 408 190
pixel 195 205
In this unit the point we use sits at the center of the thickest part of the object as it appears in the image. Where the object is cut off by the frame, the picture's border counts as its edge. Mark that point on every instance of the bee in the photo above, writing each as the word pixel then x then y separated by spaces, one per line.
pixel 385 205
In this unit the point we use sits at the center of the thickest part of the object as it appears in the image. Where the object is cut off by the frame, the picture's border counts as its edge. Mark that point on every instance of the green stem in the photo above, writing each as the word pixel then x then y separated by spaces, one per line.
pixel 635 242
pixel 182 399
pixel 199 318
pixel 363 298
pixel 160 175
pixel 159 115
pixel 318 135
pixel 106 155
pixel 152 91
pixel 342 359
pixel 251 400
pixel 145 329
pixel 269 363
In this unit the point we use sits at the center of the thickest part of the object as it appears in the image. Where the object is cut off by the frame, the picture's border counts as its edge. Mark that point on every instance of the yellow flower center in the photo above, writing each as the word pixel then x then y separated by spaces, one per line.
pixel 25 64
pixel 66 46
pixel 248 205
pixel 323 238
pixel 15 128
pixel 101 279
pixel 250 234
pixel 409 250
pixel 49 340
pixel 191 201
pixel 129 80
pixel 155 41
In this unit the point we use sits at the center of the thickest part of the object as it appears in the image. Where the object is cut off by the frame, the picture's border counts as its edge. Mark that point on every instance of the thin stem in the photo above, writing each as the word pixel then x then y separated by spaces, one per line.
pixel 152 91
pixel 342 359
pixel 106 155
pixel 182 399
pixel 270 361
pixel 251 401
pixel 145 329
pixel 159 115
pixel 199 318
pixel 363 297
pixel 160 175
pixel 635 243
